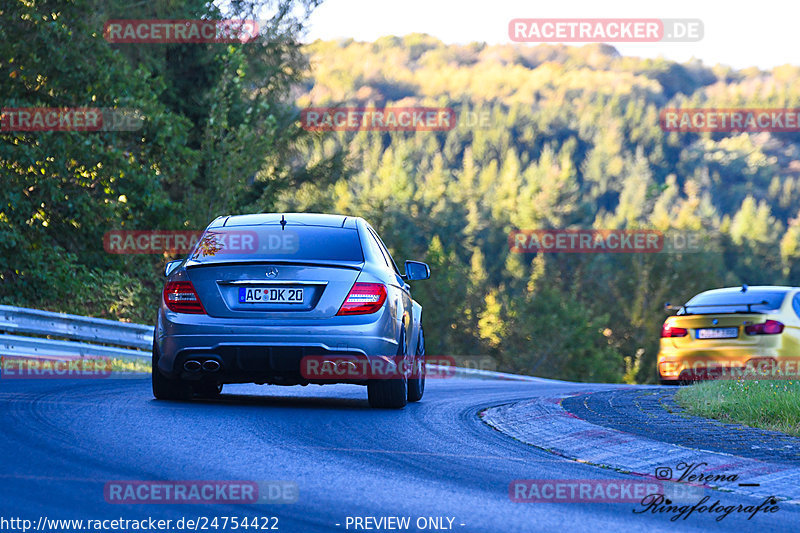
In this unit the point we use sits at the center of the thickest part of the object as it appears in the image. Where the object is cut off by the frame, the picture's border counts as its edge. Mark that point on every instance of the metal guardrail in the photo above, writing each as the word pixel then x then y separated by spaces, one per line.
pixel 127 340
pixel 77 333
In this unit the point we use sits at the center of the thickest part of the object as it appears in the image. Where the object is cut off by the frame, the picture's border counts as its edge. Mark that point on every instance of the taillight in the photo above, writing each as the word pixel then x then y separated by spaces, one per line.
pixel 364 298
pixel 181 297
pixel 770 327
pixel 670 331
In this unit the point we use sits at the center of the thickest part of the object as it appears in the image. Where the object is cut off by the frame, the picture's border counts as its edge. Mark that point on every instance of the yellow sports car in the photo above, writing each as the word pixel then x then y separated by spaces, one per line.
pixel 732 333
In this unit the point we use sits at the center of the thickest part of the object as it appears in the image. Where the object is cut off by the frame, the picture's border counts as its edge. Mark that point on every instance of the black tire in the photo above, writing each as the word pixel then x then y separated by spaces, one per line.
pixel 389 393
pixel 165 388
pixel 208 390
pixel 416 385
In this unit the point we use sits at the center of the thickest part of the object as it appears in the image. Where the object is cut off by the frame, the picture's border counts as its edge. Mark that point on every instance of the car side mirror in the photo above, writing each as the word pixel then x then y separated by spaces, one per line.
pixel 416 270
pixel 172 265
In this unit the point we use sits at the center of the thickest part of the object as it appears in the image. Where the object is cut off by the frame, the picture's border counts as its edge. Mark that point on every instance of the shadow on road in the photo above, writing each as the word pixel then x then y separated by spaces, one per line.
pixel 253 400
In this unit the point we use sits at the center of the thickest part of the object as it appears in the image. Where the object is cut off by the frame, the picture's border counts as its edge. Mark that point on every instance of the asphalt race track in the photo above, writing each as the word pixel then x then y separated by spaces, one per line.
pixel 62 441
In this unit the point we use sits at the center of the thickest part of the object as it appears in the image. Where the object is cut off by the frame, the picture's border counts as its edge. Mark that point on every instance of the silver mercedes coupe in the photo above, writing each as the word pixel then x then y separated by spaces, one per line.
pixel 290 299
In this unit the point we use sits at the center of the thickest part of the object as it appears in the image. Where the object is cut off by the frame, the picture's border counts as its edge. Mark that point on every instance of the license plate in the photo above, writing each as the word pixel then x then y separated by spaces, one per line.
pixel 717 333
pixel 267 295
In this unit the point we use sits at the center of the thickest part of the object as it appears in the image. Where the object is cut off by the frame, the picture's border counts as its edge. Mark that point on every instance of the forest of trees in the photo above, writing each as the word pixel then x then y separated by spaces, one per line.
pixel 572 140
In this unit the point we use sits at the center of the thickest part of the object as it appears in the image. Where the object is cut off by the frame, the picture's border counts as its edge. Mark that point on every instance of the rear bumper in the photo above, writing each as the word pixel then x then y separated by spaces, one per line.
pixel 268 351
pixel 261 363
pixel 727 363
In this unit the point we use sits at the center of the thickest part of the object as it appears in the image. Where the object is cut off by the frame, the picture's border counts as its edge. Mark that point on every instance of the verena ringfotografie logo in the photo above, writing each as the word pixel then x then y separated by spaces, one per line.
pixel 70 119
pixel 55 367
pixel 180 31
pixel 201 492
pixel 730 120
pixel 378 119
pixel 609 30
pixel 678 501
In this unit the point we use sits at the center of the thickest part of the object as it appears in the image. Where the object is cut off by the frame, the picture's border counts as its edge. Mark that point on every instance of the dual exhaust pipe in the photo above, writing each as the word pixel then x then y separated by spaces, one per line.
pixel 343 366
pixel 209 365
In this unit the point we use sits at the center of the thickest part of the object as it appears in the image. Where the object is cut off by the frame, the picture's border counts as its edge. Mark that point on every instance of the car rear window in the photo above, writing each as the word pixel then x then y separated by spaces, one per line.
pixel 734 302
pixel 298 243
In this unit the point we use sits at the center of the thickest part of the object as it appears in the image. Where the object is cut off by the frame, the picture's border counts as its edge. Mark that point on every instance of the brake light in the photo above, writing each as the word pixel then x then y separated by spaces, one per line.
pixel 770 327
pixel 180 296
pixel 364 298
pixel 670 331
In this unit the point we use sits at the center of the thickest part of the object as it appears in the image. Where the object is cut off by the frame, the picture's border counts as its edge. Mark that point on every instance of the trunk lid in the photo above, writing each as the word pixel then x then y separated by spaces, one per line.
pixel 324 288
pixel 716 331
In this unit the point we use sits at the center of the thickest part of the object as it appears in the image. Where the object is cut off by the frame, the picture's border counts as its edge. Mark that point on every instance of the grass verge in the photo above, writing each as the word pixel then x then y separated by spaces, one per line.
pixel 766 404
pixel 131 365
